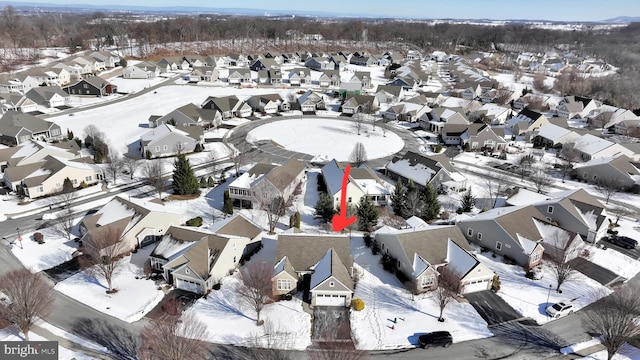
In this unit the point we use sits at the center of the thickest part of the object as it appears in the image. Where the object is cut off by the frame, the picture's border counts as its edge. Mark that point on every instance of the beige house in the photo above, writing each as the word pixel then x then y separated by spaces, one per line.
pixel 361 182
pixel 139 223
pixel 425 254
pixel 319 265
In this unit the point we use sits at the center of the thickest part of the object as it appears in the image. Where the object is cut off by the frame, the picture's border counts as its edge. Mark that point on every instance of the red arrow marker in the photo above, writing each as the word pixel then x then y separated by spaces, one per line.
pixel 340 221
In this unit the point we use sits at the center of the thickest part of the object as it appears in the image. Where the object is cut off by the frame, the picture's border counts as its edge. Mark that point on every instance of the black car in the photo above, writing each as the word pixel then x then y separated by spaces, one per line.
pixel 436 338
pixel 623 241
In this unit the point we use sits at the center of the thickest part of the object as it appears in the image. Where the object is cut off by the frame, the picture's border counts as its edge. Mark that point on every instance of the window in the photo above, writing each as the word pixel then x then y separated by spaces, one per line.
pixel 75 181
pixel 157 148
pixel 427 281
pixel 498 245
pixel 479 236
pixel 41 188
pixel 350 199
pixel 165 147
pixel 88 178
pixel 187 271
pixel 234 259
pixel 470 232
pixel 550 209
pixel 535 256
pixel 284 284
pixel 399 264
pixel 332 284
pixel 595 177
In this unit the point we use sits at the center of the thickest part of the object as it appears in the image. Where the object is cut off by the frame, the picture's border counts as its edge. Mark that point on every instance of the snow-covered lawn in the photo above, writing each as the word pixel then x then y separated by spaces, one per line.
pixel 135 297
pixel 626 352
pixel 134 85
pixel 328 139
pixel 581 290
pixel 387 300
pixel 229 321
pixel 37 257
pixel 615 261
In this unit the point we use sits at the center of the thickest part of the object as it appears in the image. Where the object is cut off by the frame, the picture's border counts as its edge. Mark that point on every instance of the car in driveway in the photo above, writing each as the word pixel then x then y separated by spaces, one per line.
pixel 623 241
pixel 560 309
pixel 436 338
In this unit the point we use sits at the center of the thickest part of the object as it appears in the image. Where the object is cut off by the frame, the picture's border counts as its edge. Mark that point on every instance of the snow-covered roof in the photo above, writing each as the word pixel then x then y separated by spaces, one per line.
pixel 332 174
pixel 526 197
pixel 168 247
pixel 459 261
pixel 322 270
pixel 161 131
pixel 113 211
pixel 590 144
pixel 416 222
pixel 526 244
pixel 553 132
pixel 419 173
pixel 371 187
pixel 419 265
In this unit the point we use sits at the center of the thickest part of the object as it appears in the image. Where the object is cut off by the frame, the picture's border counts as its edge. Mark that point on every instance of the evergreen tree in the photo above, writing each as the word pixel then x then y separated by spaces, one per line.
pixel 184 180
pixel 468 201
pixel 367 215
pixel 324 207
pixel 203 182
pixel 431 208
pixel 227 208
pixel 97 157
pixel 67 186
pixel 210 182
pixel 296 220
pixel 399 200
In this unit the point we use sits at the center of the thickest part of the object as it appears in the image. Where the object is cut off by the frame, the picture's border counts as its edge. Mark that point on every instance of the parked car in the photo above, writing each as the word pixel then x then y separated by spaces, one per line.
pixel 436 338
pixel 623 241
pixel 560 309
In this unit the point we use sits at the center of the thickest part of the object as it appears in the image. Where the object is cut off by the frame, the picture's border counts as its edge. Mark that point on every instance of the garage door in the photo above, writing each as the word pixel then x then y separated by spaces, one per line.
pixel 188 286
pixel 330 300
pixel 476 286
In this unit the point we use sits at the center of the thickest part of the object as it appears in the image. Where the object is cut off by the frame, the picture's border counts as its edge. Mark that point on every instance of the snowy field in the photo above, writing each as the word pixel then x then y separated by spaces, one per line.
pixel 37 257
pixel 327 139
pixel 386 299
pixel 580 290
pixel 135 297
pixel 12 334
pixel 134 85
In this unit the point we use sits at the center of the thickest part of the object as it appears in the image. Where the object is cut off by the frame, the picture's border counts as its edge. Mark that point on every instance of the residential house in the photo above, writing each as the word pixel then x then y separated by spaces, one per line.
pixel 619 171
pixel 551 135
pixel 389 93
pixel 195 61
pixel 329 78
pixel 362 181
pixel 481 136
pixel 10 84
pixel 228 106
pixel 364 77
pixel 203 73
pixel 526 121
pixel 195 260
pixel 423 254
pixel 406 111
pixel 16 128
pixel 238 76
pixel 576 107
pixel 531 99
pixel 75 71
pixel 94 64
pixel 320 63
pixel 93 86
pixel 143 70
pixel 318 265
pixel 166 140
pixel 109 59
pixel 138 223
pixel 32 151
pixel 629 127
pixel 352 86
pixel 268 103
pixel 48 96
pixel 266 179
pixel 264 64
pixel 10 101
pixel 514 232
pixel 493 114
pixel 589 147
pixel 311 101
pixel 426 169
pixel 360 104
pixel 299 76
pixel 362 60
pixel 436 119
pixel 187 115
pixel 171 63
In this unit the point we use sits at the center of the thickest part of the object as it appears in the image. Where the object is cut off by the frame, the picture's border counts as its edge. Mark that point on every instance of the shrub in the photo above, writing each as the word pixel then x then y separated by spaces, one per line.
pixel 216 286
pixel 367 240
pixel 459 211
pixel 38 237
pixel 285 297
pixel 198 148
pixel 438 149
pixel 612 232
pixel 203 182
pixel 495 283
pixel 508 260
pixel 195 222
pixel 210 182
pixel 445 215
pixel 148 155
pixel 375 249
pixel 402 277
pixel 388 263
pixel 357 304
pixel 83 185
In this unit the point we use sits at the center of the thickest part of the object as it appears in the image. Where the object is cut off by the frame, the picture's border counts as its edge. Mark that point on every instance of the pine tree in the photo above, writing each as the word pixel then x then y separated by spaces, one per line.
pixel 210 182
pixel 431 208
pixel 184 180
pixel 367 215
pixel 324 207
pixel 468 201
pixel 67 186
pixel 399 200
pixel 227 208
pixel 203 182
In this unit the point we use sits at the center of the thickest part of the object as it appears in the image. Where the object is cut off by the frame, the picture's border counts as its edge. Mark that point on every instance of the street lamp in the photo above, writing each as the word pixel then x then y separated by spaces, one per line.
pixel 548 294
pixel 19 237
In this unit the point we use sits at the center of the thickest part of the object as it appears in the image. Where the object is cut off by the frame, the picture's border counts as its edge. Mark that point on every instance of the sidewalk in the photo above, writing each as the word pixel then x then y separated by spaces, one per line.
pixel 67 344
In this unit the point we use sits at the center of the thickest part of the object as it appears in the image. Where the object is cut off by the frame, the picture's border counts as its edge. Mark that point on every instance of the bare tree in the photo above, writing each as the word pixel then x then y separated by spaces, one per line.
pixel 255 288
pixel 269 197
pixel 212 157
pixel 559 251
pixel 114 164
pixel 615 318
pixel 359 119
pixel 538 82
pixel 102 250
pixel 494 184
pixel 525 162
pixel 414 202
pixel 608 188
pixel 239 156
pixel 65 217
pixel 619 212
pixel 273 344
pixel 153 174
pixel 130 164
pixel 358 155
pixel 28 298
pixel 174 337
pixel 444 292
pixel 541 180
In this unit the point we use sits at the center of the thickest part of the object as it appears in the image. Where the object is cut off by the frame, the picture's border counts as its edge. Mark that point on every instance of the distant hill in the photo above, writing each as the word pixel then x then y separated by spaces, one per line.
pixel 623 19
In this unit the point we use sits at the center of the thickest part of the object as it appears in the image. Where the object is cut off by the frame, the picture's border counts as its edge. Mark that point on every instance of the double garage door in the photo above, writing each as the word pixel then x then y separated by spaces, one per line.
pixel 188 286
pixel 330 300
pixel 478 285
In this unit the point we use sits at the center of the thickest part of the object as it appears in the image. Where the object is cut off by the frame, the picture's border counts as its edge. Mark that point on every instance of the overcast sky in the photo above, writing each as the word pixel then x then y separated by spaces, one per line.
pixel 569 10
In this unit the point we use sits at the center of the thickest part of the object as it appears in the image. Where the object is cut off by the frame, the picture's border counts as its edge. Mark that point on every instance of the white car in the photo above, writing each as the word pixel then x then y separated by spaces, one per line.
pixel 559 309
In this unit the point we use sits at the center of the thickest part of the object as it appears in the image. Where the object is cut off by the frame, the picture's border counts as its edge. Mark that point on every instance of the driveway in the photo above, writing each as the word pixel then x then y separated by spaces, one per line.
pixel 331 323
pixel 491 307
pixel 596 272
